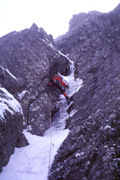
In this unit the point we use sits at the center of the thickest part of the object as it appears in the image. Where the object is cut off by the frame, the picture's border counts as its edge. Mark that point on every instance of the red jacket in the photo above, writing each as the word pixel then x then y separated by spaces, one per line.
pixel 60 80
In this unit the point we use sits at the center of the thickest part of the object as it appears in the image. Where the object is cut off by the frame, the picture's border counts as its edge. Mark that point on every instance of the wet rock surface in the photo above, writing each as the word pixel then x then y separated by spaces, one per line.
pixel 92 148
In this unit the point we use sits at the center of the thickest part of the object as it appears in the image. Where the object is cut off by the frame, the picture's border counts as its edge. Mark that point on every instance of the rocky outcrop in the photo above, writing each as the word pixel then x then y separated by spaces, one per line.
pixel 28 60
pixel 92 149
pixel 82 19
pixel 11 126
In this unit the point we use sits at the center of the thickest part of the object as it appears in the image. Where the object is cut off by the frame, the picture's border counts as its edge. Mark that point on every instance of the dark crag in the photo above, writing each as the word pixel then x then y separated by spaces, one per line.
pixel 27 62
pixel 92 149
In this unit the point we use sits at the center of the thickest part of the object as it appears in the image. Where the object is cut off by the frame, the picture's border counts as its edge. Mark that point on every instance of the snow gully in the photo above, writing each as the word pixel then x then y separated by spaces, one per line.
pixel 31 162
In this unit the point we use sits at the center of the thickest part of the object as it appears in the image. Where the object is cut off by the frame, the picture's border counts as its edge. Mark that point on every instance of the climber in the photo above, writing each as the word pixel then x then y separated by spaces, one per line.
pixel 57 81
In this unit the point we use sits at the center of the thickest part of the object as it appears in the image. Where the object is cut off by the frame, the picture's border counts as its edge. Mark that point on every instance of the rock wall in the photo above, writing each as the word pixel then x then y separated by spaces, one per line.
pixel 11 126
pixel 28 60
pixel 92 149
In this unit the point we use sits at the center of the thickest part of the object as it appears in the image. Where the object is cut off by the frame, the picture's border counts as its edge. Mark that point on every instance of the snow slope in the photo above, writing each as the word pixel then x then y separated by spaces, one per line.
pixel 33 161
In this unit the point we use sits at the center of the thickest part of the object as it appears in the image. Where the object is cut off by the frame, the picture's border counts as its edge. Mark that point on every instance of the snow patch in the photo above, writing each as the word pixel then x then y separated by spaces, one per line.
pixel 77 155
pixel 73 112
pixel 9 103
pixel 31 162
pixel 21 95
pixel 74 84
pixel 11 74
pixel 2 67
pixel 107 127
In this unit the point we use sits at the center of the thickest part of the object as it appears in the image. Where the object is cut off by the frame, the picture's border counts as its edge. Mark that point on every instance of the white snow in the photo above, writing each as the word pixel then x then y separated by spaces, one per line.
pixel 73 112
pixel 74 84
pixel 9 103
pixel 33 161
pixel 11 74
pixel 79 154
pixel 21 95
pixel 107 127
pixel 2 67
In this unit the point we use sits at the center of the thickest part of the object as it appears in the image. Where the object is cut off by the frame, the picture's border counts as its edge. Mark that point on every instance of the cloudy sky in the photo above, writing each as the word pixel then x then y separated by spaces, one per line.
pixel 52 15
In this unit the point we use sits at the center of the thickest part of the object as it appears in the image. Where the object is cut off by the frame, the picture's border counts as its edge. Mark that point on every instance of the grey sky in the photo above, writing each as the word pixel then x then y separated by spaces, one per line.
pixel 52 15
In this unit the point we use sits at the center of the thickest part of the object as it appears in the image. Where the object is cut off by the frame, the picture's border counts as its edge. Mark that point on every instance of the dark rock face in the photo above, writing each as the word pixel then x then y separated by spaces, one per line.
pixel 28 60
pixel 8 81
pixel 92 149
pixel 82 19
pixel 11 125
